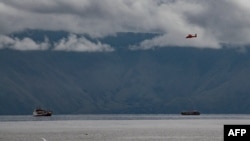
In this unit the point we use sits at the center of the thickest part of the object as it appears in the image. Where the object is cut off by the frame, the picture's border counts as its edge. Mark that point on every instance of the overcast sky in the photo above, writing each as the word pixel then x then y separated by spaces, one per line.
pixel 215 21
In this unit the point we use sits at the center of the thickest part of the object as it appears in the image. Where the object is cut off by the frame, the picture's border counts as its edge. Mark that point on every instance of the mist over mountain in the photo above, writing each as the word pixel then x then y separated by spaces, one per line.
pixel 122 81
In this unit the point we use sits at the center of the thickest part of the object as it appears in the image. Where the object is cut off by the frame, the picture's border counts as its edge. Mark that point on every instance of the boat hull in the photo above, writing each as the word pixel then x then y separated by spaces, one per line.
pixel 45 114
pixel 190 113
pixel 41 112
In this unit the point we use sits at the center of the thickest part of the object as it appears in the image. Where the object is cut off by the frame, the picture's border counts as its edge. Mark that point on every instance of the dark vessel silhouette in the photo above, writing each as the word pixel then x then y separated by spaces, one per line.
pixel 193 112
pixel 41 112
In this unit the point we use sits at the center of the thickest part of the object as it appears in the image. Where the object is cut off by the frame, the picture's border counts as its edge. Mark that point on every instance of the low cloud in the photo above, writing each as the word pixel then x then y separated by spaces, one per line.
pixel 81 44
pixel 167 40
pixel 71 43
pixel 216 22
pixel 22 44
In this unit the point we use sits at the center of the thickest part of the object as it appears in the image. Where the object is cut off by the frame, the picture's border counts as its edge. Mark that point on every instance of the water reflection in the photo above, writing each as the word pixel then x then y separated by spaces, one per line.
pixel 123 117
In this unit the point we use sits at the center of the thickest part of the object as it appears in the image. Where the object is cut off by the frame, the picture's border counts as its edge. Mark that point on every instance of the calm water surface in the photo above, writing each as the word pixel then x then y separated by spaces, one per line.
pixel 117 127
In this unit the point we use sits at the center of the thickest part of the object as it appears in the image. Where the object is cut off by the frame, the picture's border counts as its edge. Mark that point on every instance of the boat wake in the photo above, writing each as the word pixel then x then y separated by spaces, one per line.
pixel 43 139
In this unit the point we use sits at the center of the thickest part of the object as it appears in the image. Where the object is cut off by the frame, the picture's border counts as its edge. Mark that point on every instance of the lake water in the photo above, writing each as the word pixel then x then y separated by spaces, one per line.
pixel 117 127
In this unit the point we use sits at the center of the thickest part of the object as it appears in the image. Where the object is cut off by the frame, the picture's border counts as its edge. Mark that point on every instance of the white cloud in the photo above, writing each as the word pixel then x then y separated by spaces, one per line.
pixel 81 44
pixel 215 21
pixel 172 41
pixel 22 44
pixel 71 43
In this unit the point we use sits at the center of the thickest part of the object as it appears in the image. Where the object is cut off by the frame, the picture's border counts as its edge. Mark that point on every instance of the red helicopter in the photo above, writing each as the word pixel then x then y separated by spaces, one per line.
pixel 191 36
